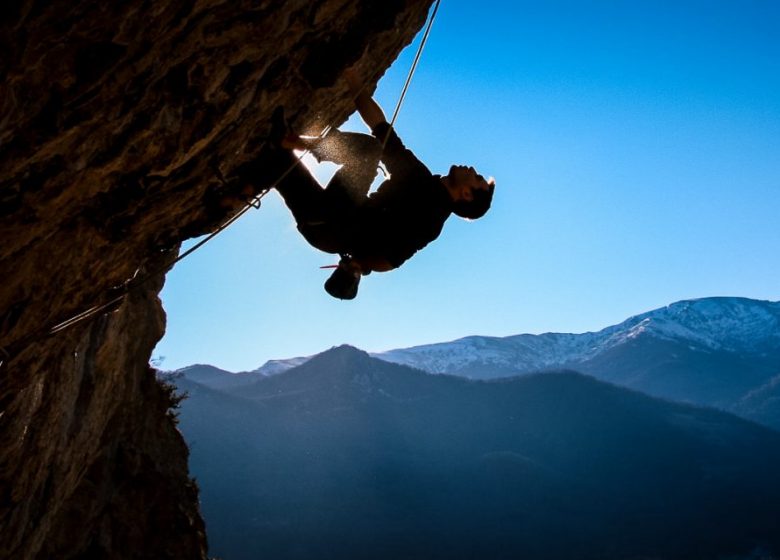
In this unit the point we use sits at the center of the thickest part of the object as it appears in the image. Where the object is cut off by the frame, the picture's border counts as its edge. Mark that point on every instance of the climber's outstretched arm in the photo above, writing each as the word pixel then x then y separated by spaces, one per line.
pixel 369 110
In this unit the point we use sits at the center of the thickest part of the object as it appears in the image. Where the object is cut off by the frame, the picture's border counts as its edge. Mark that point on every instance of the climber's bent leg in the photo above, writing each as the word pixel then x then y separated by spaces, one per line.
pixel 302 194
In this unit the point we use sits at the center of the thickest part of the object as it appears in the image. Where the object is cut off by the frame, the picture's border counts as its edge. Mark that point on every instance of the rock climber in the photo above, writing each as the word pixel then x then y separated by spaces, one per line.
pixel 377 231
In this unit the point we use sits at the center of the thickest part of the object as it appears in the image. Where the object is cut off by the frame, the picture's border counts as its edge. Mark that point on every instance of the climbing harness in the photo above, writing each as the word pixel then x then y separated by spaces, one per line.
pixel 114 297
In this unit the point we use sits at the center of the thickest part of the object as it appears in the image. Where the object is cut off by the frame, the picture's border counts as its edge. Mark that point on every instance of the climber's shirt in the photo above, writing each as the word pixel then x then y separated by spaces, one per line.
pixel 406 212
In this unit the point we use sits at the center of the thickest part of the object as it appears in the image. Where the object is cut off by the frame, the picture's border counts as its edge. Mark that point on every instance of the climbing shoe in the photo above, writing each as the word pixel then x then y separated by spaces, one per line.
pixel 344 282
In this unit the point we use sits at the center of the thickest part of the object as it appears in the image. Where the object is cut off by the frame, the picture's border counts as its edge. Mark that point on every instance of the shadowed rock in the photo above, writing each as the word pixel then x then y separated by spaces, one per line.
pixel 118 122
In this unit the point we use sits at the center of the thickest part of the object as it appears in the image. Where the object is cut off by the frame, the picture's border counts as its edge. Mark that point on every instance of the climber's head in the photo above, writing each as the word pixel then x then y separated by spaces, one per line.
pixel 471 193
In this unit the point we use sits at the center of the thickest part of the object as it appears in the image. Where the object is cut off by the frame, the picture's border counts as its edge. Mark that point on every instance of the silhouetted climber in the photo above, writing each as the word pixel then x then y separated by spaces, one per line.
pixel 381 230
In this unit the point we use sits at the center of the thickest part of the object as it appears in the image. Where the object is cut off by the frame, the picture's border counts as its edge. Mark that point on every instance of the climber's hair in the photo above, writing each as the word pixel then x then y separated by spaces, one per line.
pixel 477 206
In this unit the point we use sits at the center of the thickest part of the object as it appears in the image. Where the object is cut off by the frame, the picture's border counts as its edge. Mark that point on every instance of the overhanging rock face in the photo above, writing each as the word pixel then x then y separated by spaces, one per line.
pixel 120 124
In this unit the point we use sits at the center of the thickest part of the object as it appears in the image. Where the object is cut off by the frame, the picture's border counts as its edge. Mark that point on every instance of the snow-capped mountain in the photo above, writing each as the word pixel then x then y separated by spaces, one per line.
pixel 713 351
pixel 735 325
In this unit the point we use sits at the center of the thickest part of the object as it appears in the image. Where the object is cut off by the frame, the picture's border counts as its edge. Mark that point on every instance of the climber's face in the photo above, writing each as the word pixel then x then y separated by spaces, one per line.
pixel 463 181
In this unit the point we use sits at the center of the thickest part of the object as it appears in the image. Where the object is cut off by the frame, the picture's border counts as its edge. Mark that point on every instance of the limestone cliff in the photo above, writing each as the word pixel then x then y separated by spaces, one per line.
pixel 120 125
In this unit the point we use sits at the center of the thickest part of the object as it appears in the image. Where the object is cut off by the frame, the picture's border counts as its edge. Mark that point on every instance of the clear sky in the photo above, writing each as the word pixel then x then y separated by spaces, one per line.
pixel 636 149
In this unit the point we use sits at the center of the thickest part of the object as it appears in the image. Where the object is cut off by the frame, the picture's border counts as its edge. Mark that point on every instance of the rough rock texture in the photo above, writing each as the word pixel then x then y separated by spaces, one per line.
pixel 121 124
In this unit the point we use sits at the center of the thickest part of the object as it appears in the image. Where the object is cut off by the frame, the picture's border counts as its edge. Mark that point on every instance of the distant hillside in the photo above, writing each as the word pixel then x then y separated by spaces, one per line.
pixel 216 378
pixel 351 457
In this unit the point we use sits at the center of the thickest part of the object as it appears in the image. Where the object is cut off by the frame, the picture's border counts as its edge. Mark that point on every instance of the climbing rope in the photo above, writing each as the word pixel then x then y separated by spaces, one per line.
pixel 116 295
pixel 412 70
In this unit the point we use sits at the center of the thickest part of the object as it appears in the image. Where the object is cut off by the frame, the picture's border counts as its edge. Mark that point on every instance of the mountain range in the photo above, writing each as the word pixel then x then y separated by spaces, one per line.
pixel 719 352
pixel 349 456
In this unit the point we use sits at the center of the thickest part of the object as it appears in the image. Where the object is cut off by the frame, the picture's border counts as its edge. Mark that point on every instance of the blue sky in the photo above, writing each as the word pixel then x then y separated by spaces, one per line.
pixel 636 148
